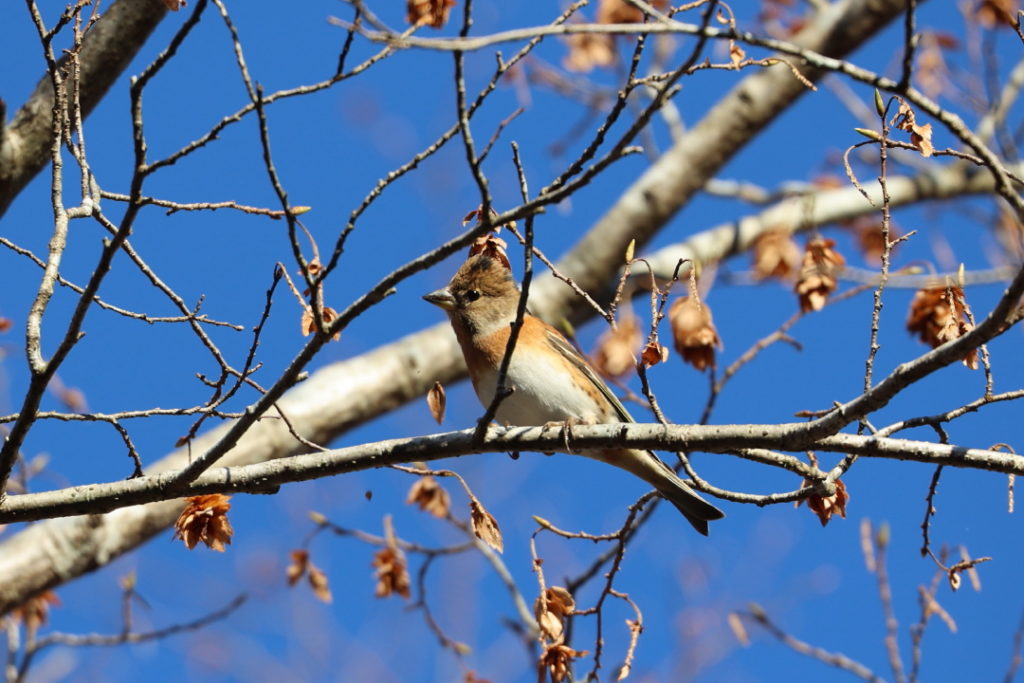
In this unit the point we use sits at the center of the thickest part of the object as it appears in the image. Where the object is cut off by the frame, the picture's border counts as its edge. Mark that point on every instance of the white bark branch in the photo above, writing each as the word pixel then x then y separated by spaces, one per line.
pixel 264 477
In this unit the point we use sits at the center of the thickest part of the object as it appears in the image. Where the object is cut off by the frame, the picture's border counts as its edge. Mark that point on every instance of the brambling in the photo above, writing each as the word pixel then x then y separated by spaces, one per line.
pixel 551 381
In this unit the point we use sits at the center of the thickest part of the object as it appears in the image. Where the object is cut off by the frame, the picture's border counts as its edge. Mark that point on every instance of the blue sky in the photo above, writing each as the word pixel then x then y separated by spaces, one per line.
pixel 330 149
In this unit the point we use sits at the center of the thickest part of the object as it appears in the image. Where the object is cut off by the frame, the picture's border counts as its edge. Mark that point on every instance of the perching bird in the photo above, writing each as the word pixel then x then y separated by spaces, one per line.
pixel 551 381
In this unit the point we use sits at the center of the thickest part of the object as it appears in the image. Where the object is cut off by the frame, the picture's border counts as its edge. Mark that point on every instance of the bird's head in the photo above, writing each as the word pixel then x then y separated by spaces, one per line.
pixel 482 295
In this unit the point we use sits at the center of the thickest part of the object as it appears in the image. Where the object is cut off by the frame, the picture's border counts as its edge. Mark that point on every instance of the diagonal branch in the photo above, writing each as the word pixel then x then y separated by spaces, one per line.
pixel 107 49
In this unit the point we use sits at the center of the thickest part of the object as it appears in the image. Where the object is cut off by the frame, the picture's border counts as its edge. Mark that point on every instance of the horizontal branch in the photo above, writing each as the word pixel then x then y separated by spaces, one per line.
pixel 812 210
pixel 265 477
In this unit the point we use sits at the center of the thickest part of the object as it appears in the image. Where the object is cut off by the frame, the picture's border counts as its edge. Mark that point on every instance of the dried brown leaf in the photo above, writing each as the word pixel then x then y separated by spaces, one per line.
pixel 309 322
pixel 436 402
pixel 492 246
pixel 614 355
pixel 485 526
pixel 557 659
pixel 938 315
pixel 35 611
pixel 871 239
pixel 589 50
pixel 995 13
pixel 817 279
pixel 738 628
pixel 431 497
pixel 775 255
pixel 920 135
pixel 653 354
pixel 551 609
pixel 826 506
pixel 693 332
pixel 205 518
pixel 296 570
pixel 433 13
pixel 318 582
pixel 392 574
pixel 736 54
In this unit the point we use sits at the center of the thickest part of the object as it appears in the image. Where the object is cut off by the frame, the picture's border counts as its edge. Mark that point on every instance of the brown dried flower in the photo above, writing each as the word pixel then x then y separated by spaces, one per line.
pixel 818 275
pixel 392 575
pixel 776 255
pixel 491 245
pixel 920 135
pixel 618 12
pixel 430 496
pixel 587 50
pixel 614 355
pixel 296 570
pixel 205 518
pixel 557 659
pixel 433 13
pixel 35 611
pixel 694 332
pixel 994 13
pixel 551 610
pixel 653 354
pixel 317 578
pixel 826 506
pixel 871 240
pixel 309 322
pixel 940 314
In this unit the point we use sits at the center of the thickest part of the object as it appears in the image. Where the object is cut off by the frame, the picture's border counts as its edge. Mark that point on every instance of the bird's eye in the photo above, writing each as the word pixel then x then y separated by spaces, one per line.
pixel 472 295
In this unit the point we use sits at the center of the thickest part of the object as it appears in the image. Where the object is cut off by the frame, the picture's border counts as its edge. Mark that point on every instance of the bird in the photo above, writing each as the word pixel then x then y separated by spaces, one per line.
pixel 550 381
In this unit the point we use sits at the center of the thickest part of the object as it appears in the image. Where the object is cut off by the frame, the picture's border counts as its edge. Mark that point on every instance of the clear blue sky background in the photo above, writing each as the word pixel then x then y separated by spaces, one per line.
pixel 330 149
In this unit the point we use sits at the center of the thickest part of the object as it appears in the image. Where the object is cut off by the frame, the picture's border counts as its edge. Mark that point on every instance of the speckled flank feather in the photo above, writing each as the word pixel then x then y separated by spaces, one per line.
pixel 552 382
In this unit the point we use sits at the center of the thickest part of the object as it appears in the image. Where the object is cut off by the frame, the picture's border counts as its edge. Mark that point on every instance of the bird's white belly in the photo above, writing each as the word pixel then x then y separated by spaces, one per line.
pixel 544 392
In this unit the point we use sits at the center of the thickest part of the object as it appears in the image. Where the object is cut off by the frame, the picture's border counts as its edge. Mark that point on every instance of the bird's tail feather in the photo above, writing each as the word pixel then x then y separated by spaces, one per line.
pixel 698 512
pixel 651 469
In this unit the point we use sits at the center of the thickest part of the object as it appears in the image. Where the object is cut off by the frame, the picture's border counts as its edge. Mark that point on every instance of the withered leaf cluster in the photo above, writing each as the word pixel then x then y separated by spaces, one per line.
pixel 995 13
pixel 871 239
pixel 940 314
pixel 551 609
pixel 818 275
pixel 35 611
pixel 775 255
pixel 309 322
pixel 693 332
pixel 920 134
pixel 489 244
pixel 430 496
pixel 433 13
pixel 557 659
pixel 614 355
pixel 392 573
pixel 301 566
pixel 205 518
pixel 589 50
pixel 826 506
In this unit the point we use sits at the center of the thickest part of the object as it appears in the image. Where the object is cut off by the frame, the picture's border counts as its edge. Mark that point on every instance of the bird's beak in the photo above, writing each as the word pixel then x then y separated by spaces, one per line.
pixel 442 298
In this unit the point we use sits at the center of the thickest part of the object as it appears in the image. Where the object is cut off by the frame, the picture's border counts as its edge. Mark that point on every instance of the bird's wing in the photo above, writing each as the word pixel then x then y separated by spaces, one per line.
pixel 569 352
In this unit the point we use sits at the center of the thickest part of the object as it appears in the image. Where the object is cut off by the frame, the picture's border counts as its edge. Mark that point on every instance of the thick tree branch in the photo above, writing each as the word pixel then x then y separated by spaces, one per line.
pixel 266 476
